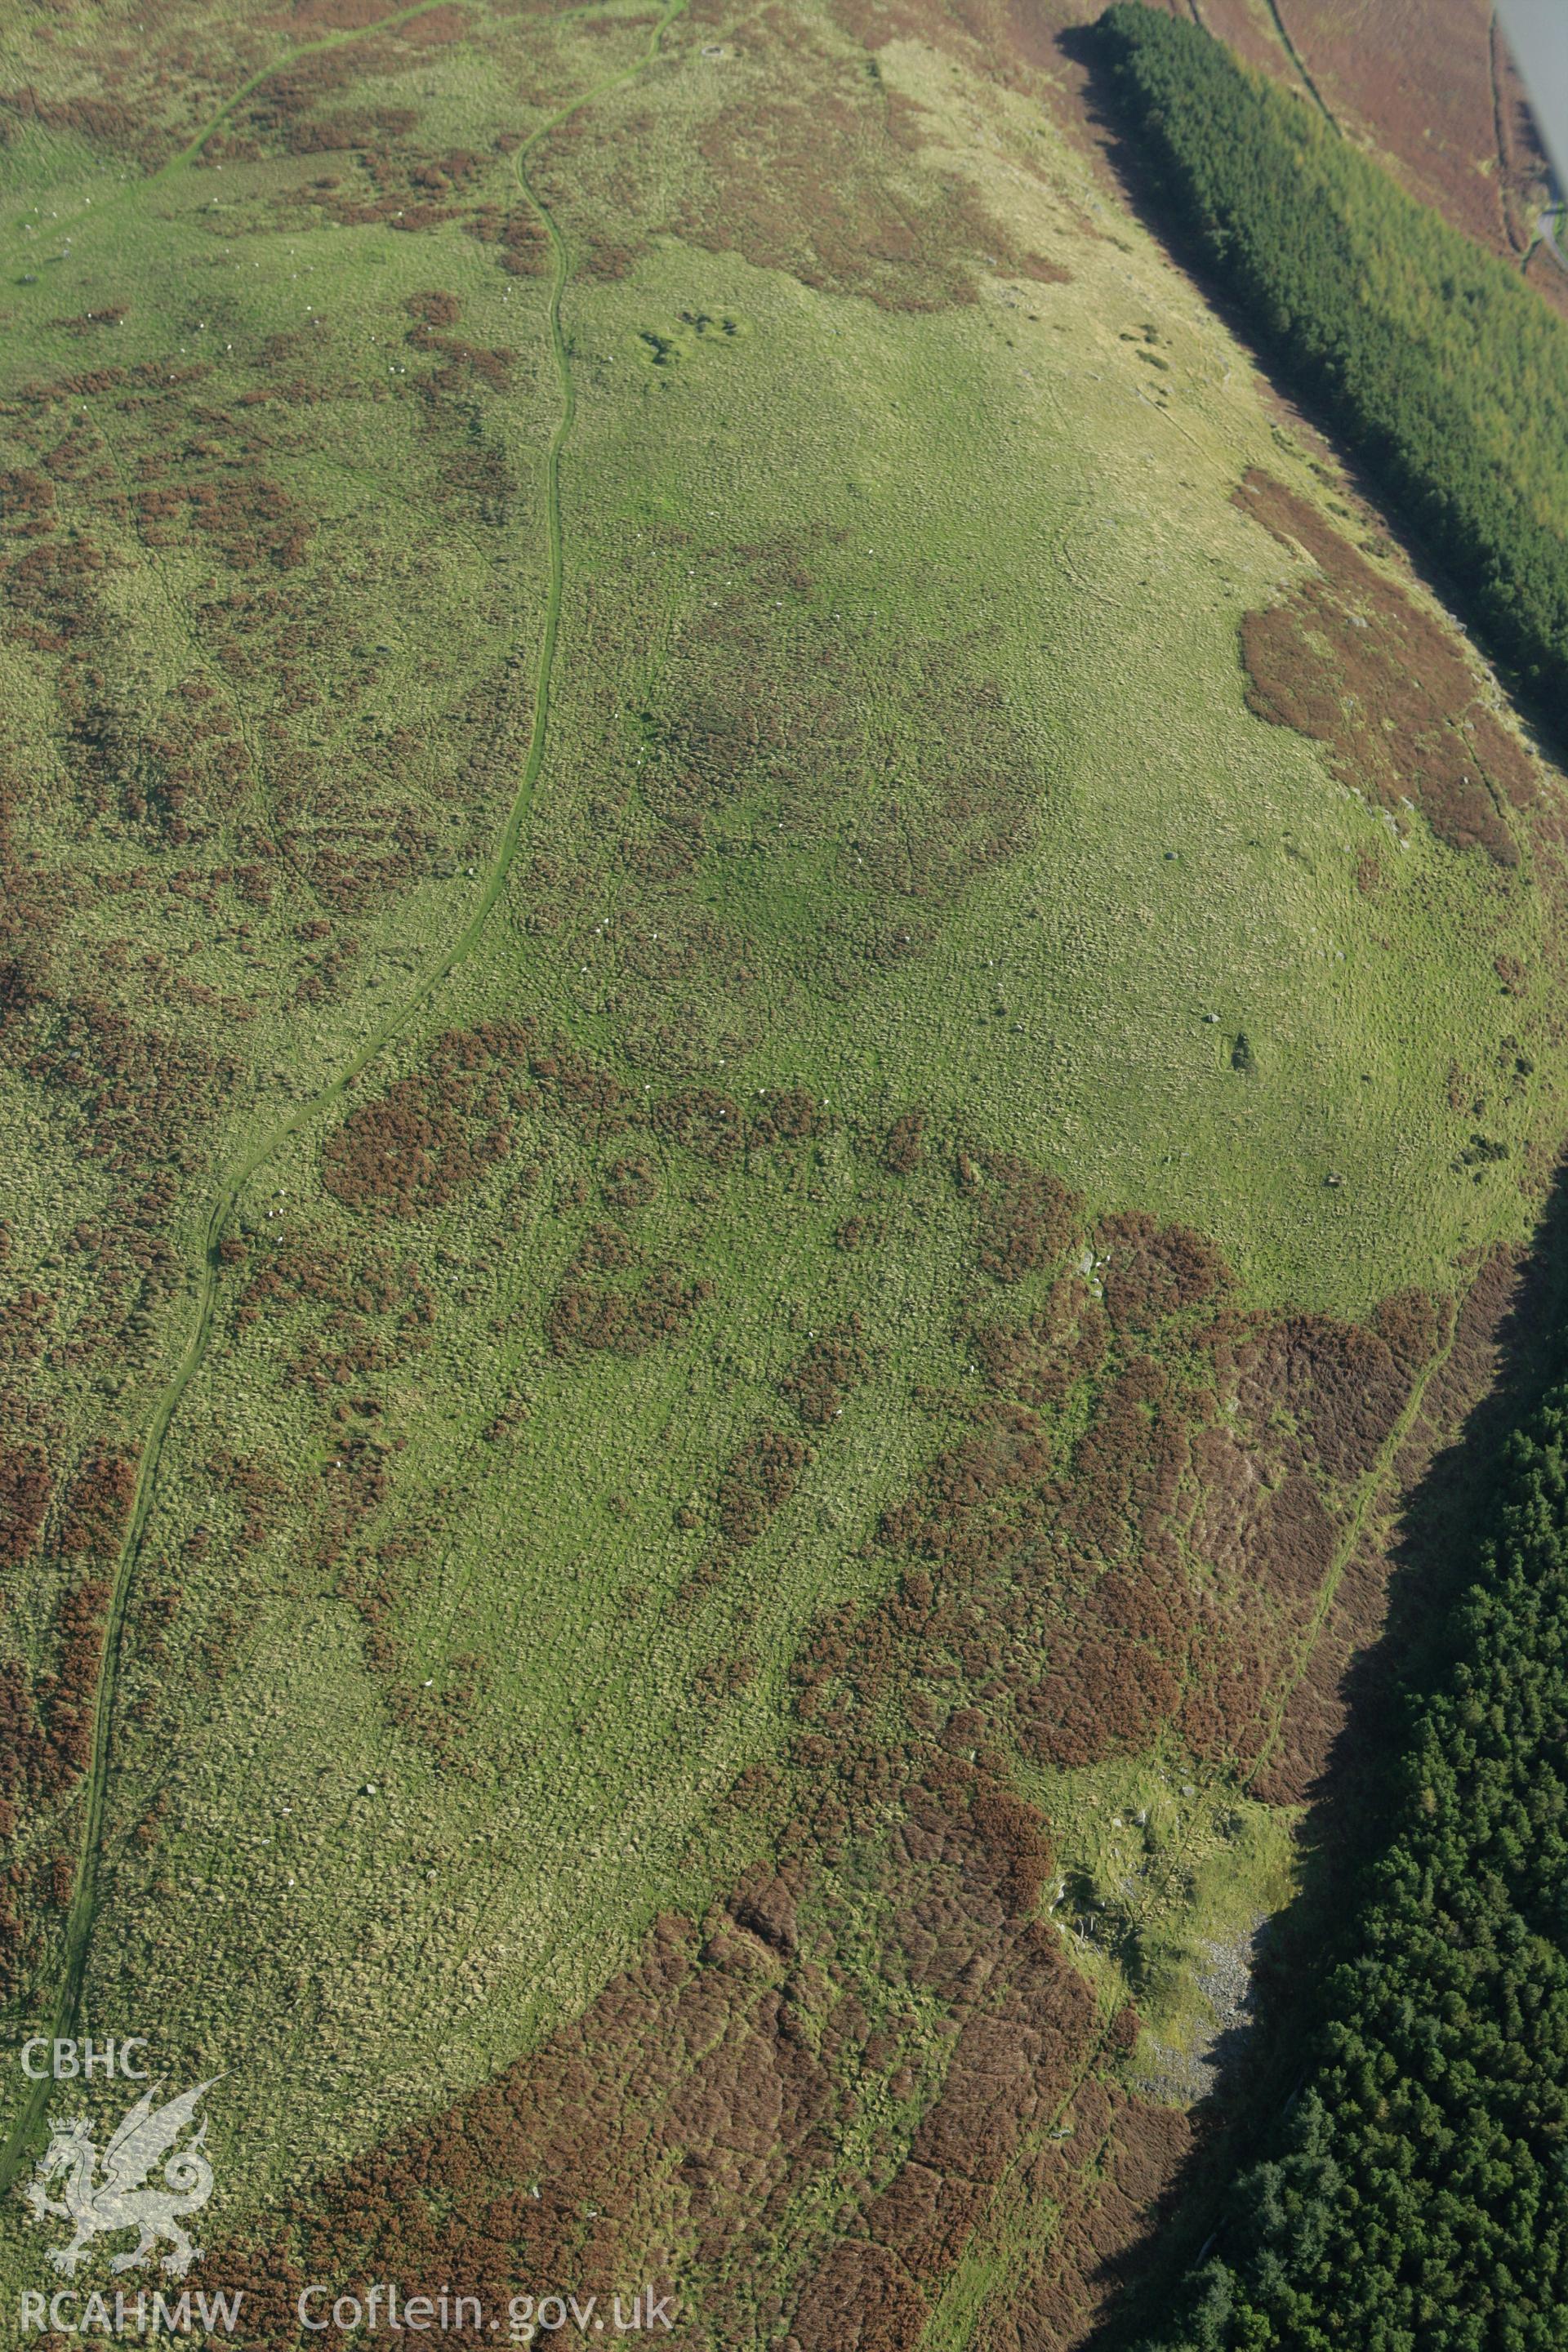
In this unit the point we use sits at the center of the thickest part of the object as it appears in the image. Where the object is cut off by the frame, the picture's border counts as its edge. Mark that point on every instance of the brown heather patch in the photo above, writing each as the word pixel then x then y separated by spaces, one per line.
pixel 788 1115
pixel 45 1746
pixel 1109 1699
pixel 758 1481
pixel 1350 660
pixel 630 1183
pixel 27 1484
pixel 389 182
pixel 26 501
pixel 103 123
pixel 1318 1725
pixel 621 1322
pixel 26 1319
pixel 278 113
pixel 831 1367
pixel 383 176
pixel 703 1121
pixel 66 1695
pixel 1152 1271
pixel 808 164
pixel 1011 2066
pixel 417 1146
pixel 1106 2183
pixel 176 773
pixel 431 1136
pixel 1027 1221
pixel 51 593
pixel 520 237
pixel 142 1095
pixel 436 28
pixel 1159 1567
pixel 1411 1323
pixel 89 321
pixel 46 1715
pixel 693 2124
pixel 1041 1359
pixel 1318 1394
pixel 903 1152
pixel 305 19
pixel 1130 1463
pixel 97 1505
pixel 176 763
pixel 826 186
pixel 371 1312
pixel 250 518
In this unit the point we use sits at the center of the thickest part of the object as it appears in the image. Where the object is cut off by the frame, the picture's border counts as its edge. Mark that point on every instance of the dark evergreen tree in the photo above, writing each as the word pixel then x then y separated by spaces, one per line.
pixel 1445 371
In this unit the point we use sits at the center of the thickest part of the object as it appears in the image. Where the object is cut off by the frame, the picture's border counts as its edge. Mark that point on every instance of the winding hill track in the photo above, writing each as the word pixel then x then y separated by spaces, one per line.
pixel 82 1914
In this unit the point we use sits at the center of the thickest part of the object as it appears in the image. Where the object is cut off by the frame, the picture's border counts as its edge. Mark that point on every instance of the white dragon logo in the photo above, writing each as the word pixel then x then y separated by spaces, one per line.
pixel 120 2200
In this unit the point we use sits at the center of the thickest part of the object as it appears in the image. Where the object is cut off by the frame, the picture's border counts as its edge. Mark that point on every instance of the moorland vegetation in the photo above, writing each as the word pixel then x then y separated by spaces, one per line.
pixel 704 1339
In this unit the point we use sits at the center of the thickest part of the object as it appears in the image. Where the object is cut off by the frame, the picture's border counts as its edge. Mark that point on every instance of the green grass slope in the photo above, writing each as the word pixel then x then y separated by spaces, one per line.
pixel 492 555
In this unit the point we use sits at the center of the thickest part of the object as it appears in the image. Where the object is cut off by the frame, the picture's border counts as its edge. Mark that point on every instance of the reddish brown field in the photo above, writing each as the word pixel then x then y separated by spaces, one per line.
pixel 1351 661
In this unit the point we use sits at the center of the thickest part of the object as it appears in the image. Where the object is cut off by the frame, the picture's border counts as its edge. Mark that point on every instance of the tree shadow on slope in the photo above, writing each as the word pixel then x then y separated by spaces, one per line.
pixel 1442 1520
pixel 1140 187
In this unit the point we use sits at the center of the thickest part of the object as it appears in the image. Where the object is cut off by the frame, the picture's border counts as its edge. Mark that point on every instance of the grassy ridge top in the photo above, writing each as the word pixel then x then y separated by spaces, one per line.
pixel 1445 369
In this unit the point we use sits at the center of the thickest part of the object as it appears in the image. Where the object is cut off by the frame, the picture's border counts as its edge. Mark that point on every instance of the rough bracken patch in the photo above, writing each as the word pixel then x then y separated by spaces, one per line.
pixel 1349 659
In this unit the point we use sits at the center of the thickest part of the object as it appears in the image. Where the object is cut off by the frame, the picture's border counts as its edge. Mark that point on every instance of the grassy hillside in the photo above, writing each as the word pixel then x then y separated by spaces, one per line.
pixel 704 1128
